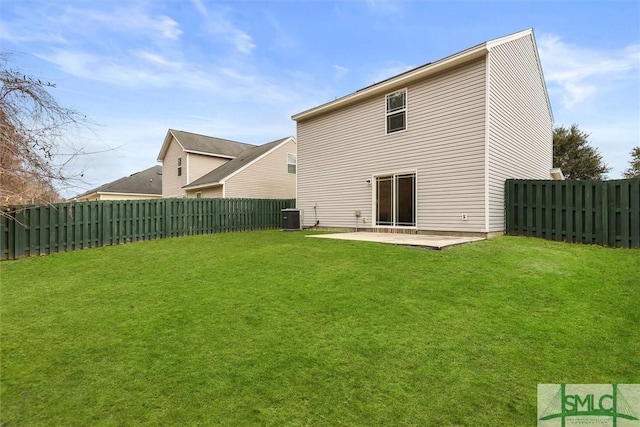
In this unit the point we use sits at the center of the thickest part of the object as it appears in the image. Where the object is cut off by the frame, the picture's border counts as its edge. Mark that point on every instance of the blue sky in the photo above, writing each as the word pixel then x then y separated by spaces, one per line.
pixel 240 69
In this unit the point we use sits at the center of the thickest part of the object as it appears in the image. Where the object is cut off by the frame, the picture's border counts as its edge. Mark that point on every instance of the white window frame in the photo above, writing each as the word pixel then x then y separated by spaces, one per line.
pixel 179 166
pixel 396 111
pixel 294 164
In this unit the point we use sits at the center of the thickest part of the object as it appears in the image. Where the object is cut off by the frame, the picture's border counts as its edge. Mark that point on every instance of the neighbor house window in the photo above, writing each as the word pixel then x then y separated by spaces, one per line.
pixel 397 111
pixel 199 195
pixel 291 163
pixel 179 166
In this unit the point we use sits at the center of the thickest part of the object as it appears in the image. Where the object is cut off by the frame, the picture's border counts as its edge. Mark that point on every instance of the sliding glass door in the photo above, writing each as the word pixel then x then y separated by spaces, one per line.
pixel 396 200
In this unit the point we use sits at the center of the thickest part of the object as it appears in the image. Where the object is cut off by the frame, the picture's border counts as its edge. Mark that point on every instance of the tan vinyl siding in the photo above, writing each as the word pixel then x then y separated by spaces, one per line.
pixel 210 192
pixel 200 165
pixel 265 178
pixel 443 144
pixel 520 130
pixel 171 182
pixel 193 167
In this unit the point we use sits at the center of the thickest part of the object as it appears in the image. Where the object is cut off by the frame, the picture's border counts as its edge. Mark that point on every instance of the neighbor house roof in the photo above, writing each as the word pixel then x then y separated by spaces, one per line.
pixel 246 158
pixel 146 182
pixel 419 73
pixel 202 144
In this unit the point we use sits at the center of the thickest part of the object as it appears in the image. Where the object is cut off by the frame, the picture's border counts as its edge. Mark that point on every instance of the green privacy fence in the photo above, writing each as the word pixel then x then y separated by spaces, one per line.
pixel 42 230
pixel 599 212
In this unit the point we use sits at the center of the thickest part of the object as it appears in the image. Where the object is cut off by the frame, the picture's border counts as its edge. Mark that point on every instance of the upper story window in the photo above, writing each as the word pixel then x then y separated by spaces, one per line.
pixel 179 166
pixel 397 111
pixel 291 163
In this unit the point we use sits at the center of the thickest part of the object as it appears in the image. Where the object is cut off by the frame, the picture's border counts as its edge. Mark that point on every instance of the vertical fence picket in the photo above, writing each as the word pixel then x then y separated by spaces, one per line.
pixel 34 232
pixel 42 232
pixel 625 215
pixel 11 236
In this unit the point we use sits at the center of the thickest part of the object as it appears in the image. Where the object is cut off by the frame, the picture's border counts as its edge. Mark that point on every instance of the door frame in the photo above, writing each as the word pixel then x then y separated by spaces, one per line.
pixel 374 190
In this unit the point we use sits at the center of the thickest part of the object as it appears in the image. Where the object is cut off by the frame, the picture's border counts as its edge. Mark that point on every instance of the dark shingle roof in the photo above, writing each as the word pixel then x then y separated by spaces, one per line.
pixel 148 181
pixel 247 156
pixel 209 144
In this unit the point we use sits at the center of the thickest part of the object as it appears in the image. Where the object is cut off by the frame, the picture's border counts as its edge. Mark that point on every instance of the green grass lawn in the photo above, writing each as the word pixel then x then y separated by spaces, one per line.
pixel 272 328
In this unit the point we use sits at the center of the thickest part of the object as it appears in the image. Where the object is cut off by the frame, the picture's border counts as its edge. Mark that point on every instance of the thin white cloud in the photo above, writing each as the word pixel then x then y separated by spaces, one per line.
pixel 577 74
pixel 384 7
pixel 200 7
pixel 390 69
pixel 282 38
pixel 339 72
pixel 220 26
pixel 143 69
pixel 13 32
pixel 157 60
pixel 130 20
pixel 105 69
pixel 60 24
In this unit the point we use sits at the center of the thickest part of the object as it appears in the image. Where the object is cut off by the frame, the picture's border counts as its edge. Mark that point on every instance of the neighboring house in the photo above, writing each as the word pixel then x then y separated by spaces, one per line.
pixel 202 166
pixel 137 186
pixel 428 151
pixel 266 171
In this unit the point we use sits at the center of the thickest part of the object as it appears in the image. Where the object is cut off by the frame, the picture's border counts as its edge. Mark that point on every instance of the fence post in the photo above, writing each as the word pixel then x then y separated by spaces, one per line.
pixel 508 207
pixel 634 214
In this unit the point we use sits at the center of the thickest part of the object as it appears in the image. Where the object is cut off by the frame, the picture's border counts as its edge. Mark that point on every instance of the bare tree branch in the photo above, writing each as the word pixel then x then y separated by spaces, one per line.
pixel 35 147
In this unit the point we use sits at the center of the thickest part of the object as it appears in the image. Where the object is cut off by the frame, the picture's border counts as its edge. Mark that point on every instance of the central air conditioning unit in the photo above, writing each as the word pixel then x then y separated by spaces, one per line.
pixel 291 220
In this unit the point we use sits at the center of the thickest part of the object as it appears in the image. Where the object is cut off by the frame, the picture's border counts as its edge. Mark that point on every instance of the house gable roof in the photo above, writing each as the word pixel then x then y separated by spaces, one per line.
pixel 245 159
pixel 202 144
pixel 148 182
pixel 419 73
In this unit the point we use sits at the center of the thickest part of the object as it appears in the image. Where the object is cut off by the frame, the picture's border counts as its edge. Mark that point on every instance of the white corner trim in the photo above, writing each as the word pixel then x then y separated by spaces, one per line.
pixel 487 145
pixel 188 180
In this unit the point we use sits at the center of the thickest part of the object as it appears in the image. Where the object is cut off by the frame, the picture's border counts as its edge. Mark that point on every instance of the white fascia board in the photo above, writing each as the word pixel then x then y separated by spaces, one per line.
pixel 202 153
pixel 535 49
pixel 398 81
pixel 510 37
pixel 128 194
pixel 201 186
pixel 165 145
pixel 237 171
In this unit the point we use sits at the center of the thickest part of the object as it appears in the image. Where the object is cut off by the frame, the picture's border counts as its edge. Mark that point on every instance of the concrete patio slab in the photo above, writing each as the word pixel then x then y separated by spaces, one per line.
pixel 422 240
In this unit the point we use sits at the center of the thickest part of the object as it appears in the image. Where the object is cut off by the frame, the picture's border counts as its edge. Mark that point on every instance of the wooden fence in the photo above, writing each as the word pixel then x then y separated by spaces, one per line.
pixel 41 230
pixel 599 212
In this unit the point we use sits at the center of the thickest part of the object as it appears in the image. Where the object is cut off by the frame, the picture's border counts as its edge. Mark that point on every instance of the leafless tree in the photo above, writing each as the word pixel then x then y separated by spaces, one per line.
pixel 35 135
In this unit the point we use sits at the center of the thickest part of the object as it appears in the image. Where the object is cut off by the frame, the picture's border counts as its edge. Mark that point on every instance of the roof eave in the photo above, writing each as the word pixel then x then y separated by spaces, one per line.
pixel 398 81
pixel 201 186
pixel 122 193
pixel 204 153
pixel 165 145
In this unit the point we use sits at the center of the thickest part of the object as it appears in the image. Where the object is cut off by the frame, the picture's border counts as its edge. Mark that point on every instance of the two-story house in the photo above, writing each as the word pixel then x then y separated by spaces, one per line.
pixel 196 165
pixel 429 150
